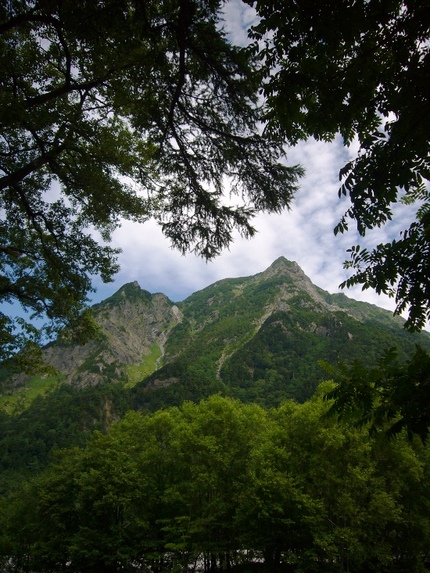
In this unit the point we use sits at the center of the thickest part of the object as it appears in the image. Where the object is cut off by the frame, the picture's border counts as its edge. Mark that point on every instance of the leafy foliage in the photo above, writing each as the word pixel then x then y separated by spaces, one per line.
pixel 398 269
pixel 393 395
pixel 224 484
pixel 144 115
pixel 360 69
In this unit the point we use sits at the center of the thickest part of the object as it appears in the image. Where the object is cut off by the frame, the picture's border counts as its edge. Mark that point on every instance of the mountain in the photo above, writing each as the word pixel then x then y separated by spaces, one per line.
pixel 258 338
pixel 135 325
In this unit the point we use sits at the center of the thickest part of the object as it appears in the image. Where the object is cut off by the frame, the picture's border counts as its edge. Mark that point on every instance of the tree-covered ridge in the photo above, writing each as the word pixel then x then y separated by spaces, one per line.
pixel 65 417
pixel 223 485
pixel 255 338
pixel 261 337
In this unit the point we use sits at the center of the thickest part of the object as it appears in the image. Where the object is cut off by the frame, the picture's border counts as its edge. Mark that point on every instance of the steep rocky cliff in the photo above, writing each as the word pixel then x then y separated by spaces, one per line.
pixel 134 327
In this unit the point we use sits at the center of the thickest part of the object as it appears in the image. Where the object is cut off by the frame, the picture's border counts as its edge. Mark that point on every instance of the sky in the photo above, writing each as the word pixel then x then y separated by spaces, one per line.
pixel 304 234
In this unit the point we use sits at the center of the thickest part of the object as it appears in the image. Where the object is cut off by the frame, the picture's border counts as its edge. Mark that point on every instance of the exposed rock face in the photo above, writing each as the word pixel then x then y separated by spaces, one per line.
pixel 296 283
pixel 132 321
pixel 261 335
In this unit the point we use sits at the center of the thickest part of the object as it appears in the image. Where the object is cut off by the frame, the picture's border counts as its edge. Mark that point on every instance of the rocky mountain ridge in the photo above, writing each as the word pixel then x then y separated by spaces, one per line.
pixel 132 322
pixel 251 337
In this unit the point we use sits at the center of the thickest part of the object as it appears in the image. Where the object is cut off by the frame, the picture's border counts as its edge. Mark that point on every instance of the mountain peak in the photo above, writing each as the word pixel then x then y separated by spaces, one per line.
pixel 128 292
pixel 130 287
pixel 281 263
pixel 282 266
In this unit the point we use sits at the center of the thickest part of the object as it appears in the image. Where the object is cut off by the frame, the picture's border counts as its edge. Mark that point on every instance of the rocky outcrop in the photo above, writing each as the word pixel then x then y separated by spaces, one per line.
pixel 268 330
pixel 132 321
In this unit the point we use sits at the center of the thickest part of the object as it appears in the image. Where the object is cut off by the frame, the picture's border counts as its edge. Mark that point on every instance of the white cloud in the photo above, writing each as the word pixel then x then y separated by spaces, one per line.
pixel 237 19
pixel 304 234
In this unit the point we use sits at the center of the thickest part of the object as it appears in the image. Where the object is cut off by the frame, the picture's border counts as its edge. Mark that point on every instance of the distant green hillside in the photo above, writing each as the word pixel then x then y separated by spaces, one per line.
pixel 258 339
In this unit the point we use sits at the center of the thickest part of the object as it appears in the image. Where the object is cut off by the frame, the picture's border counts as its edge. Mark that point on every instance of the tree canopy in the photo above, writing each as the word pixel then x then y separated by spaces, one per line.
pixel 360 69
pixel 224 486
pixel 392 396
pixel 143 110
pixel 115 110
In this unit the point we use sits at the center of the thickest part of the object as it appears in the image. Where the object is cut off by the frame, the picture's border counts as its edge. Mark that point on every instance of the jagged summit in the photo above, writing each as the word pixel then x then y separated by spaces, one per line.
pixel 131 287
pixel 284 266
pixel 129 293
pixel 256 337
pixel 126 291
pixel 284 263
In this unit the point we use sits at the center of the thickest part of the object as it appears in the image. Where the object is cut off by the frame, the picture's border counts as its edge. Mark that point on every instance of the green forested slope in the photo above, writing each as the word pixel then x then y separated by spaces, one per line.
pixel 257 338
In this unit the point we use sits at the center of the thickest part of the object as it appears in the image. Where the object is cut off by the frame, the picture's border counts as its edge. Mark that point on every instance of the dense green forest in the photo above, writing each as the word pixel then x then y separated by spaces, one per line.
pixel 230 455
pixel 224 485
pixel 200 436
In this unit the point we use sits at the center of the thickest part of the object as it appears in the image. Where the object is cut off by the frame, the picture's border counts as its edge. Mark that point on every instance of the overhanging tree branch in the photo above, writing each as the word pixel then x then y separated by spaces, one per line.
pixel 19 174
